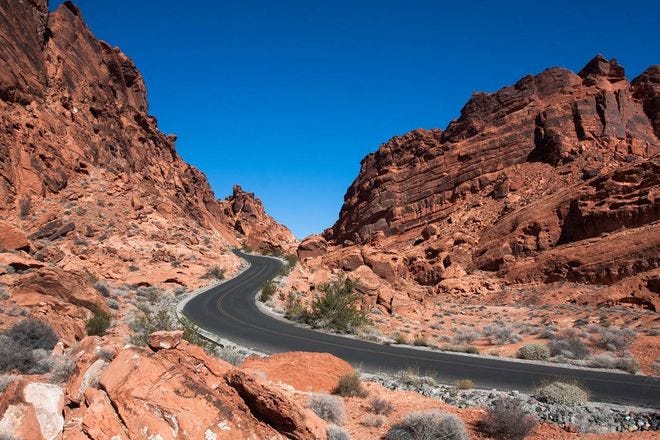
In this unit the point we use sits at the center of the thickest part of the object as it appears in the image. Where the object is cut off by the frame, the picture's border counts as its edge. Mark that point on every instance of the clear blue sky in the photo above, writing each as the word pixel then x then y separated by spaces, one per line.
pixel 286 97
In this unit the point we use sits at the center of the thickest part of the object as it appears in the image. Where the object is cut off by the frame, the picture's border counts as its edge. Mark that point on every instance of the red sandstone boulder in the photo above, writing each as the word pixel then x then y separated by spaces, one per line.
pixel 322 370
pixel 12 239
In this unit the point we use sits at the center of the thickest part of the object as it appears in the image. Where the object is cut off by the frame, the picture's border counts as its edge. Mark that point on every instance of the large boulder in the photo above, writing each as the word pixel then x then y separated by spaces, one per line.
pixel 322 370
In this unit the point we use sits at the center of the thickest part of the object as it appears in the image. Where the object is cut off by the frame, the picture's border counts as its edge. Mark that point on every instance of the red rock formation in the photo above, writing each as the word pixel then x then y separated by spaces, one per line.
pixel 73 103
pixel 322 370
pixel 553 178
pixel 251 221
pixel 172 392
pixel 89 184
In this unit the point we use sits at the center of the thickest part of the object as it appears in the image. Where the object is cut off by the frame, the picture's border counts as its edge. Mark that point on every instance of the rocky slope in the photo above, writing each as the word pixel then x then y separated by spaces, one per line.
pixel 525 185
pixel 90 189
pixel 546 192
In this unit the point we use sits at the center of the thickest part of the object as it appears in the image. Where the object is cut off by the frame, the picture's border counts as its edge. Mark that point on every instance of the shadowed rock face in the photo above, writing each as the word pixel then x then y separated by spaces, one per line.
pixel 554 178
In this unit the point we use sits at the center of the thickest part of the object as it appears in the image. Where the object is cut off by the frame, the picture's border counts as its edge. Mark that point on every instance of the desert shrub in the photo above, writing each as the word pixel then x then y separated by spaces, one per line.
pixel 291 261
pixel 349 385
pixel 607 360
pixel 102 288
pixel 147 322
pixel 421 341
pixel 615 338
pixel 380 406
pixel 501 333
pixel 113 304
pixel 105 354
pixel 334 432
pixel 5 380
pixel 191 333
pixel 17 357
pixel 465 335
pixel 428 425
pixel 568 344
pixel 3 293
pixel 329 408
pixel 562 393
pixel 400 338
pixel 536 352
pixel 25 206
pixel 62 368
pixel 133 268
pixel 293 307
pixel 506 419
pixel 268 289
pixel 374 420
pixel 180 290
pixel 214 273
pixel 461 348
pixel 98 324
pixel 33 333
pixel 464 384
pixel 629 364
pixel 231 355
pixel 338 307
pixel 412 378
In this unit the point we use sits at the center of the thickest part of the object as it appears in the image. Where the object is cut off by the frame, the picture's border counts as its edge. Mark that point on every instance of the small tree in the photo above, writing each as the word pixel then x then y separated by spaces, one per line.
pixel 338 307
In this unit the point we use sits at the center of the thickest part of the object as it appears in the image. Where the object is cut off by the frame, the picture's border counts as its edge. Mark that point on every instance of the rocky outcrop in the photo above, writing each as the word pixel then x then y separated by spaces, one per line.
pixel 538 182
pixel 554 117
pixel 322 370
pixel 173 392
pixel 250 220
pixel 89 184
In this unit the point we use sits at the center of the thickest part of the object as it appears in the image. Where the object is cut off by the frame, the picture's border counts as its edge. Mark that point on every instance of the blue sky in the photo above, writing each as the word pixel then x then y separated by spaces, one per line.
pixel 286 97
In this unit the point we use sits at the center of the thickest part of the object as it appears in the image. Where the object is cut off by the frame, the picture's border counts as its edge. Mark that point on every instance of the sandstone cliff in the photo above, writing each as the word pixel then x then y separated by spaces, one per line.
pixel 90 188
pixel 552 179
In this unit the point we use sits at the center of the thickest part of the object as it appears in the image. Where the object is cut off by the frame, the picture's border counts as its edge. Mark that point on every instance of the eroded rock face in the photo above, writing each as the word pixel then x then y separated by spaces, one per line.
pixel 416 179
pixel 89 185
pixel 174 392
pixel 554 178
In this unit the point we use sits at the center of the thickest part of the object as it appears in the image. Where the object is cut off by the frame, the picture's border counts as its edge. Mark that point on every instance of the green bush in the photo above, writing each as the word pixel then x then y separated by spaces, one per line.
pixel 506 419
pixel 98 324
pixel 562 393
pixel 428 425
pixel 338 307
pixel 536 352
pixel 349 385
pixel 267 291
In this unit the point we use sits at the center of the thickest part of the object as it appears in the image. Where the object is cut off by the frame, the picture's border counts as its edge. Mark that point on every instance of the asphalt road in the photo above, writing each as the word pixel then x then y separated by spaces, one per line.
pixel 229 311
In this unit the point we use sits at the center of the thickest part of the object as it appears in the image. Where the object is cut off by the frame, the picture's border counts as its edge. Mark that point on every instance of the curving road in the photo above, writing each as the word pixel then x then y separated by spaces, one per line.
pixel 229 310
